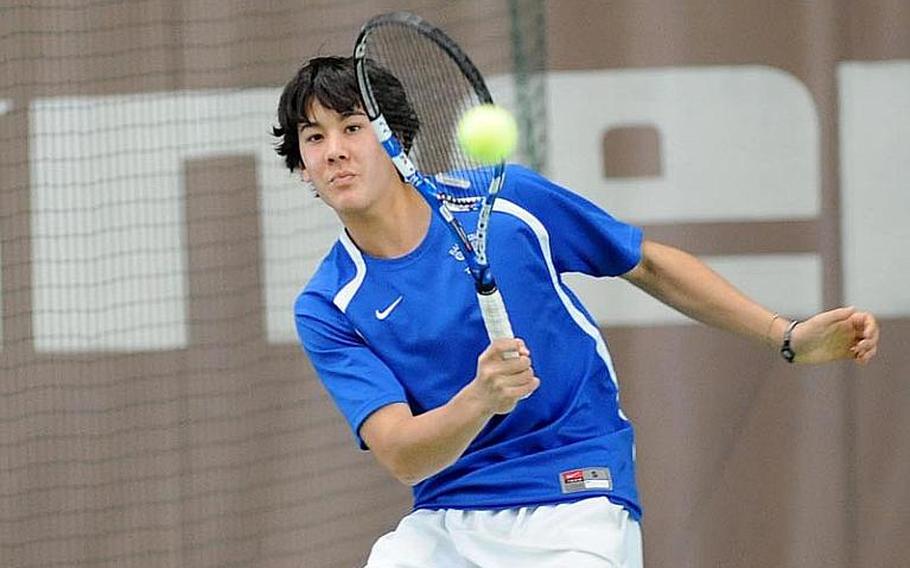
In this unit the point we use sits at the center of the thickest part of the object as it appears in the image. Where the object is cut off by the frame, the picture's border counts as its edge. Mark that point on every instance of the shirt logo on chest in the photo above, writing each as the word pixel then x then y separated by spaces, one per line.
pixel 382 314
pixel 455 252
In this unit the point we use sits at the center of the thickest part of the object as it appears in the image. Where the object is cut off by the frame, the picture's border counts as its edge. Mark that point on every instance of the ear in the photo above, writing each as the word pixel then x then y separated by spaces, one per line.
pixel 305 175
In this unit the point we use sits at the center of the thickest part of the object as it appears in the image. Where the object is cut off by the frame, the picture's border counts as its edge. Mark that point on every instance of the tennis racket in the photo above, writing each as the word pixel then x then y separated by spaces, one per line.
pixel 441 84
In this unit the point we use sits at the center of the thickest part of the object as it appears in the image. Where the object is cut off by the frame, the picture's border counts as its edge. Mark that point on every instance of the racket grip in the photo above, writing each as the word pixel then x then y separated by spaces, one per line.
pixel 495 318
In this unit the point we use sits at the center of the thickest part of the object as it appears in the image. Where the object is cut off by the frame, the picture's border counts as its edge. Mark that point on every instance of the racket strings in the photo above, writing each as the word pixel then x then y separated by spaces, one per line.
pixel 439 93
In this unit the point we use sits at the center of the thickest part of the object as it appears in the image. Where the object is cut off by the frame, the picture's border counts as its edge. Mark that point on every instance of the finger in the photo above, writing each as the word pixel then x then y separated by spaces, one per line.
pixel 505 344
pixel 871 330
pixel 509 348
pixel 866 349
pixel 867 333
pixel 516 379
pixel 522 347
pixel 498 350
pixel 865 324
pixel 523 391
pixel 835 315
pixel 870 354
pixel 532 388
pixel 859 324
pixel 861 350
pixel 510 368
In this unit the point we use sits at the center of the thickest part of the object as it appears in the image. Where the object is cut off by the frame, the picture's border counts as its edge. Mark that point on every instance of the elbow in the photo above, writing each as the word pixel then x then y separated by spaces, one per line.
pixel 652 269
pixel 406 472
pixel 396 443
pixel 643 275
pixel 409 479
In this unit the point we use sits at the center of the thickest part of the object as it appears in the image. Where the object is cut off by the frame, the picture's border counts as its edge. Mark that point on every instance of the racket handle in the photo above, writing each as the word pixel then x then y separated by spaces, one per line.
pixel 496 318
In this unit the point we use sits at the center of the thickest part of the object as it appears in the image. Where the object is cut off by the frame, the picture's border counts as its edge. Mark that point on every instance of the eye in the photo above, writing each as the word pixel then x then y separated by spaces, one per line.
pixel 312 138
pixel 352 128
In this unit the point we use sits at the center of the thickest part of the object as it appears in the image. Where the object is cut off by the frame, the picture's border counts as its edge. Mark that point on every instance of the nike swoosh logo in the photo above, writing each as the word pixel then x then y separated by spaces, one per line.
pixel 381 315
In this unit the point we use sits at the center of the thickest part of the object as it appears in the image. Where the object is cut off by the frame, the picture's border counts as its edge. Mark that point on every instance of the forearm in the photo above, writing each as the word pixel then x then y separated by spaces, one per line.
pixel 686 284
pixel 416 447
pixel 428 443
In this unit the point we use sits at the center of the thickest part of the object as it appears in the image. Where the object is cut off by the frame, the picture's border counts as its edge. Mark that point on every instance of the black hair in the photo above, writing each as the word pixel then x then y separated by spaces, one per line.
pixel 333 82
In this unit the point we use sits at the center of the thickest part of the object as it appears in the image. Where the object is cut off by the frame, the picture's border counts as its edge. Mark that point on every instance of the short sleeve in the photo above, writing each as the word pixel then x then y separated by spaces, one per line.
pixel 356 379
pixel 583 237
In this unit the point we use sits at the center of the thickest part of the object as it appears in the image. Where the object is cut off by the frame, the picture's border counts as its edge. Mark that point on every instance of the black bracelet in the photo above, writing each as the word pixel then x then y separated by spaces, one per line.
pixel 786 350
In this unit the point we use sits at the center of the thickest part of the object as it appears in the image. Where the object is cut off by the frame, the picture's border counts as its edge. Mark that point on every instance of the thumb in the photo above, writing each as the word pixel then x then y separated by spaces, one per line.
pixel 834 316
pixel 859 320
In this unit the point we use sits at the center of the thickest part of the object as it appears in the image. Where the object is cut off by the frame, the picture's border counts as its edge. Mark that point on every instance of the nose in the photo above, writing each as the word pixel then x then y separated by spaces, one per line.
pixel 335 148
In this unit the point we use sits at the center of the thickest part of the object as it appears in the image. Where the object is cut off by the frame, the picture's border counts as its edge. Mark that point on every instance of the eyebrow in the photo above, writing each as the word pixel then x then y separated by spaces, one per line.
pixel 306 123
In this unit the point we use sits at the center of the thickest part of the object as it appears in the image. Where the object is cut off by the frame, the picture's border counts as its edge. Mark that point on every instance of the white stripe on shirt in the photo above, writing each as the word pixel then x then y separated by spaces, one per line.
pixel 346 294
pixel 543 238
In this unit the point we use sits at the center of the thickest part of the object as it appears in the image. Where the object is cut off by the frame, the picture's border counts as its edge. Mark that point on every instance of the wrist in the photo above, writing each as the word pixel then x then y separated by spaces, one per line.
pixel 774 334
pixel 473 403
pixel 786 345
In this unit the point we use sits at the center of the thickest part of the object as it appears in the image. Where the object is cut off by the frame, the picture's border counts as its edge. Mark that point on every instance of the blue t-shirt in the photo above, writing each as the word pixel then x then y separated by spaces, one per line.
pixel 381 331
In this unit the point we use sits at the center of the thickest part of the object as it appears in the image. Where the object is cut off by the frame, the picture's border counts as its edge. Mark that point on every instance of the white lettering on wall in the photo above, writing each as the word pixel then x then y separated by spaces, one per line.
pixel 737 143
pixel 875 184
pixel 5 106
pixel 107 214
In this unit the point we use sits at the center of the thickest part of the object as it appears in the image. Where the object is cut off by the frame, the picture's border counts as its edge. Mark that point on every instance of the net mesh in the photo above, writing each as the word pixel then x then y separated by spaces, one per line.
pixel 155 409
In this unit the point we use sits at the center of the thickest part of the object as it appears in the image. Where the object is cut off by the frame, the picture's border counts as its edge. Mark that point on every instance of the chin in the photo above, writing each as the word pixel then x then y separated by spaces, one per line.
pixel 348 203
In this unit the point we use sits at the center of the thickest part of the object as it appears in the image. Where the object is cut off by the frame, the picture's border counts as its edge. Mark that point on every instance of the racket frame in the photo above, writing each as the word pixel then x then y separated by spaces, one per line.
pixel 492 307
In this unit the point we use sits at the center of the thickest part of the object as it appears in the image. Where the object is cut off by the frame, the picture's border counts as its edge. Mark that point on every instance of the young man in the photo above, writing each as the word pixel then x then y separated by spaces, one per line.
pixel 524 461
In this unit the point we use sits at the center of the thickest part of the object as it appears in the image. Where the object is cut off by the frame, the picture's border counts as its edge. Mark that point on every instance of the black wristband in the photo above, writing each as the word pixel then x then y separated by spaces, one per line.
pixel 786 350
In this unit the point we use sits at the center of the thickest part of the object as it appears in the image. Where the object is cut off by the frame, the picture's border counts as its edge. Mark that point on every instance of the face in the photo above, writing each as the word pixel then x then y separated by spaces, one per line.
pixel 344 161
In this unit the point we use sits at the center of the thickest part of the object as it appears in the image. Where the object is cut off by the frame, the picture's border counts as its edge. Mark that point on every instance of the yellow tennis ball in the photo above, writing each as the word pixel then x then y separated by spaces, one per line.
pixel 488 133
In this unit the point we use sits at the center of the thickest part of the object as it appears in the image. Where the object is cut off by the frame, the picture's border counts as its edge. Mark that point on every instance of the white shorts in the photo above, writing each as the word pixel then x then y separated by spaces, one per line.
pixel 585 534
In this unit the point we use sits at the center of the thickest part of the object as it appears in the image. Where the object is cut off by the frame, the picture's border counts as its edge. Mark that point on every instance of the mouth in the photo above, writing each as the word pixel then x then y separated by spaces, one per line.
pixel 342 178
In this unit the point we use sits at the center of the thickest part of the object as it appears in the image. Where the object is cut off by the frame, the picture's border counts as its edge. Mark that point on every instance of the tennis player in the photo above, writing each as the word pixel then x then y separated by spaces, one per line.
pixel 524 461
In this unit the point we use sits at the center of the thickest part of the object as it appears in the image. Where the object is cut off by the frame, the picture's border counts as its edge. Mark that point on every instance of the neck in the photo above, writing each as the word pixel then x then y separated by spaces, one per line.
pixel 396 230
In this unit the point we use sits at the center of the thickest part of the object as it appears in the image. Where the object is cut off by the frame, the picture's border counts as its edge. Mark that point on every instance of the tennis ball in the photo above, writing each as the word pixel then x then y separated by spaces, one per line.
pixel 488 133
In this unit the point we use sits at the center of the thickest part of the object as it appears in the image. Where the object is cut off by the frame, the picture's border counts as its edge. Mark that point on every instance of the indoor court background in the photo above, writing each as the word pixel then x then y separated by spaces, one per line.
pixel 155 409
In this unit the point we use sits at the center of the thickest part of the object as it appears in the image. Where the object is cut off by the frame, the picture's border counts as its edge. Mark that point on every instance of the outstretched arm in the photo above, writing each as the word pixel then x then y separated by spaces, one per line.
pixel 686 284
